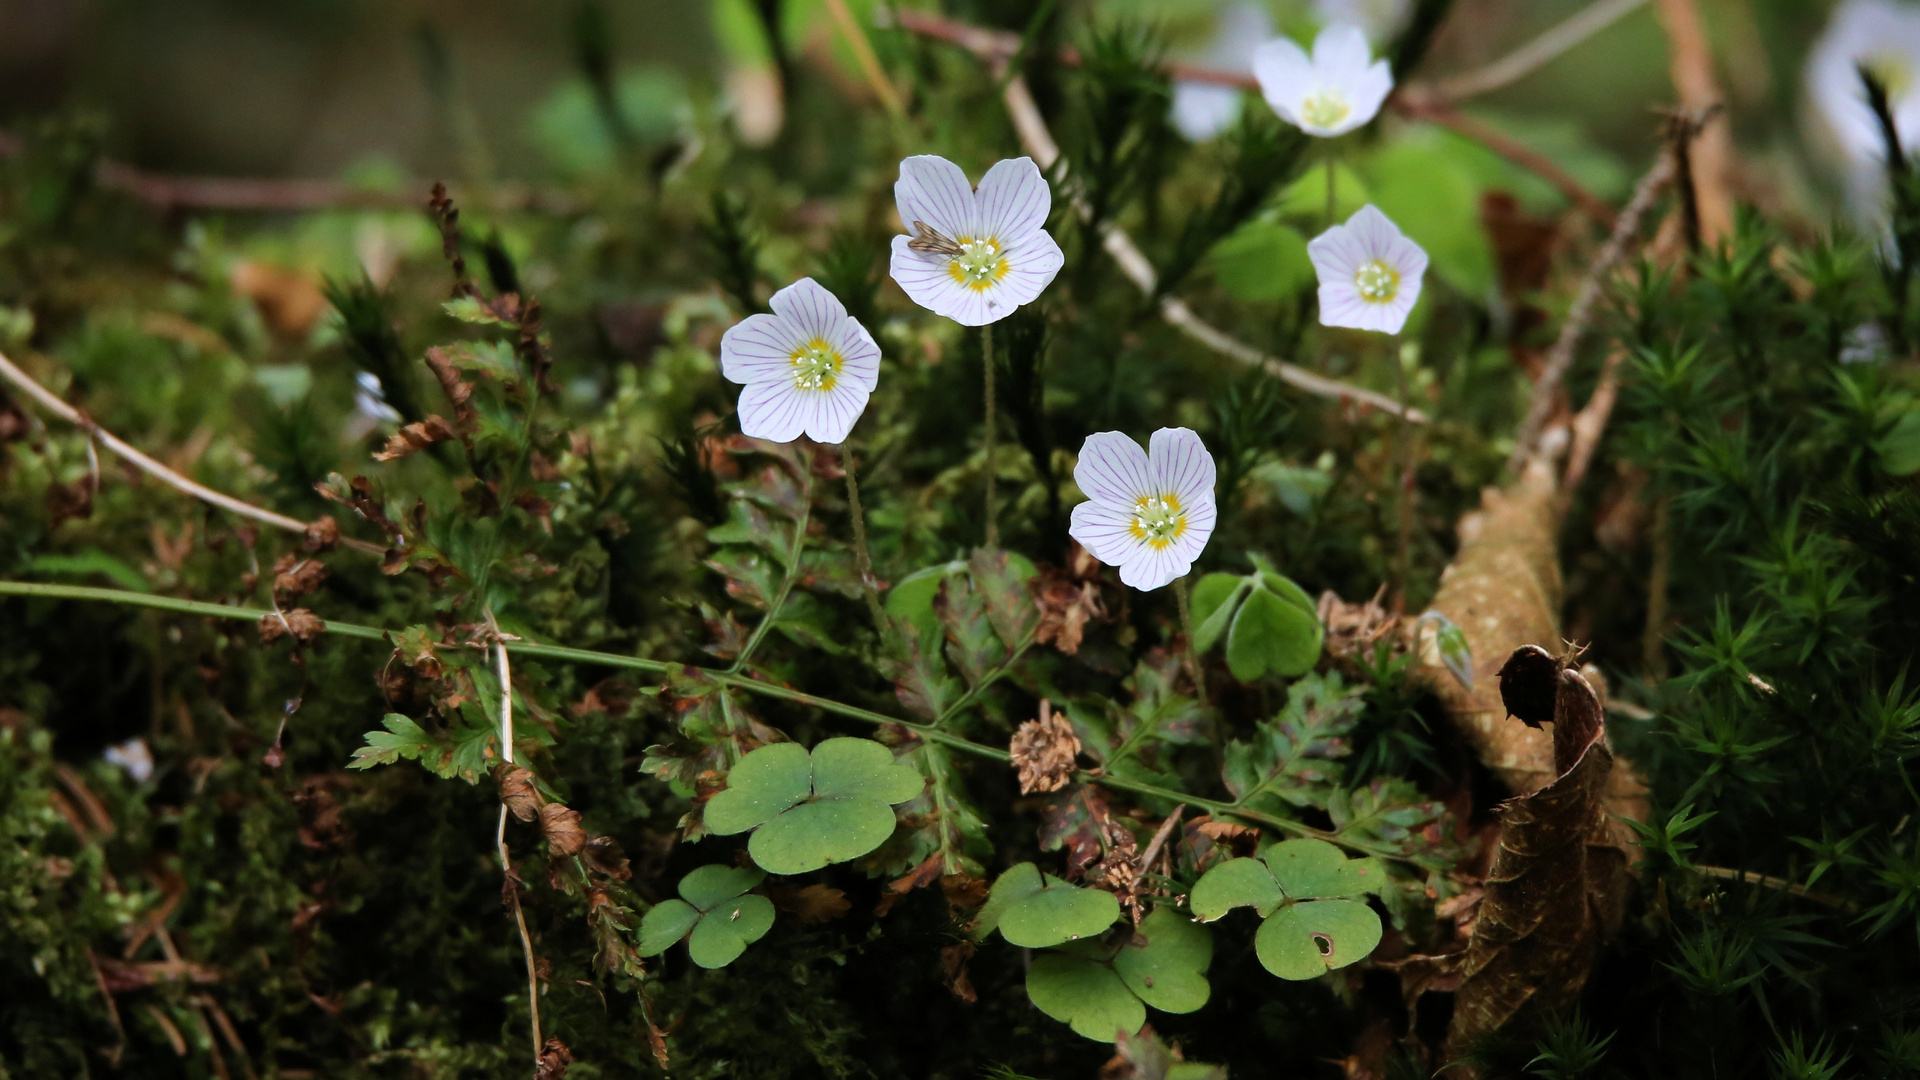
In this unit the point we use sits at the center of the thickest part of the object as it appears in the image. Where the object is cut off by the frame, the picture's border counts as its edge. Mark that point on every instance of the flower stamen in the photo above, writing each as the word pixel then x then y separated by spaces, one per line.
pixel 1158 520
pixel 816 366
pixel 1325 108
pixel 979 264
pixel 1376 282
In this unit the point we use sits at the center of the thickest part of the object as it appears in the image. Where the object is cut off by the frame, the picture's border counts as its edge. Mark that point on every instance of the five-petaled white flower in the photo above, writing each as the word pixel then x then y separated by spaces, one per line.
pixel 808 367
pixel 1884 38
pixel 1149 513
pixel 1339 89
pixel 1369 273
pixel 974 256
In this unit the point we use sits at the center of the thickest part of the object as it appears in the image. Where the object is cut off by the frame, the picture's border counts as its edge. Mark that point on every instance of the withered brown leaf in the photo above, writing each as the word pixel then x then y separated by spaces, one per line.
pixel 1043 751
pixel 562 828
pixel 811 905
pixel 416 436
pixel 1559 876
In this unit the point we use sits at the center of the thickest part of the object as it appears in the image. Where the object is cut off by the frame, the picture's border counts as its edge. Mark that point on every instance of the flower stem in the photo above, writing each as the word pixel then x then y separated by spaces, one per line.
pixel 986 363
pixel 1186 627
pixel 865 560
pixel 1332 205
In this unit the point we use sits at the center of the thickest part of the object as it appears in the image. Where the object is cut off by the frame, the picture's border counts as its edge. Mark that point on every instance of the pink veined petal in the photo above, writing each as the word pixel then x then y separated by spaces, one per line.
pixel 860 353
pixel 1410 259
pixel 1014 200
pixel 1030 269
pixel 1149 569
pixel 927 282
pixel 1341 54
pixel 1341 306
pixel 1179 463
pixel 772 411
pixel 934 190
pixel 1113 470
pixel 1200 522
pixel 1285 75
pixel 1336 253
pixel 1375 231
pixel 1103 531
pixel 809 306
pixel 757 348
pixel 833 414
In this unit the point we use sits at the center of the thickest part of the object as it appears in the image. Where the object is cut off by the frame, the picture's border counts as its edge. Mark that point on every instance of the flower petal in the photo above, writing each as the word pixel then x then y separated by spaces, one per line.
pixel 1285 75
pixel 1104 531
pixel 1113 470
pixel 1341 54
pixel 1178 462
pixel 758 348
pixel 927 282
pixel 1375 231
pixel 830 416
pixel 1014 200
pixel 773 411
pixel 808 305
pixel 934 190
pixel 860 353
pixel 1031 267
pixel 1151 569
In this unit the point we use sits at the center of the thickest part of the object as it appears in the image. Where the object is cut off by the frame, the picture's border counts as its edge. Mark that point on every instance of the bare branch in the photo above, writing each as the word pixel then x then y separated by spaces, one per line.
pixel 1539 52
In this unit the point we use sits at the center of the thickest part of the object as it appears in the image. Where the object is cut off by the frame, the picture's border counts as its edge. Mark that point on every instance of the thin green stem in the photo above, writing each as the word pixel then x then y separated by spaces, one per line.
pixel 993 674
pixel 744 683
pixel 793 574
pixel 986 364
pixel 1186 627
pixel 868 582
pixel 1333 205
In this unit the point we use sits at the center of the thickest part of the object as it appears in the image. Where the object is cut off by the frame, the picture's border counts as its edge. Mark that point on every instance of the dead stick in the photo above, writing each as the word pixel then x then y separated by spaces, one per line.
pixel 1542 50
pixel 505 674
pixel 1038 142
pixel 1625 229
pixel 1690 62
pixel 1768 881
pixel 53 404
pixel 1591 422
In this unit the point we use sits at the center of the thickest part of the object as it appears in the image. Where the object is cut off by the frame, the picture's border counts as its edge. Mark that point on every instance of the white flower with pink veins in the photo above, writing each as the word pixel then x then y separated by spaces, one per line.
pixel 973 256
pixel 1150 513
pixel 1369 273
pixel 808 368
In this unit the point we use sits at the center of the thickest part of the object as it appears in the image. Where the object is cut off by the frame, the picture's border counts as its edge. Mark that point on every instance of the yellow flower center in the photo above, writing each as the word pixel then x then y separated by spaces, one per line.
pixel 1324 108
pixel 979 264
pixel 1893 69
pixel 1376 282
pixel 1158 520
pixel 816 366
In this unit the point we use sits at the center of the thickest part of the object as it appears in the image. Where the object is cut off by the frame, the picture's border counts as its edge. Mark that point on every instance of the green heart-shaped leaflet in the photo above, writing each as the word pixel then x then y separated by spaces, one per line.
pixel 1215 598
pixel 713 914
pixel 1272 635
pixel 1310 938
pixel 1309 869
pixel 810 810
pixel 1235 883
pixel 1036 910
pixel 1099 990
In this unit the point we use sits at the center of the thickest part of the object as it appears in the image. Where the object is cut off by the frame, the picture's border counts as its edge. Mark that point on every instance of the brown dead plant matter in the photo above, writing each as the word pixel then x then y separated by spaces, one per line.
pixel 1043 752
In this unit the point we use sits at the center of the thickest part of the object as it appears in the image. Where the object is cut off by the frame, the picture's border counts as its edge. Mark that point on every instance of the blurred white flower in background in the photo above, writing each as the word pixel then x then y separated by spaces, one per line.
pixel 1381 19
pixel 133 756
pixel 1370 274
pixel 1203 110
pixel 1339 88
pixel 1882 36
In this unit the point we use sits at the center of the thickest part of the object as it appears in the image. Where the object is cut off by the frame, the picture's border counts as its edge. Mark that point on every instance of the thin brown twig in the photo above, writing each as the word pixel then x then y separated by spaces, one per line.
pixel 1552 43
pixel 52 403
pixel 1591 421
pixel 1690 61
pixel 1038 142
pixel 1560 358
pixel 1768 881
pixel 504 672
pixel 863 54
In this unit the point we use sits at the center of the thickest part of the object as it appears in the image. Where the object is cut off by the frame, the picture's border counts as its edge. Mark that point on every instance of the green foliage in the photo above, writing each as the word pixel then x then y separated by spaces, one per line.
pixel 1269 622
pixel 1034 910
pixel 1305 930
pixel 809 810
pixel 713 915
pixel 1101 989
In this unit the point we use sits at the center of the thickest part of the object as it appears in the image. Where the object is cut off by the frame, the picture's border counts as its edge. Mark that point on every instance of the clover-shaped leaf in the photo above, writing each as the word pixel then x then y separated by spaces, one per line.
pixel 1100 989
pixel 829 806
pixel 1270 624
pixel 715 916
pixel 1293 886
pixel 1035 910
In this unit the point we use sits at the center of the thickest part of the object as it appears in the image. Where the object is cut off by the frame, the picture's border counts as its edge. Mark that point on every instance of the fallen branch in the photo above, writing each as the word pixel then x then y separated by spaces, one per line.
pixel 1539 52
pixel 509 886
pixel 1768 881
pixel 52 403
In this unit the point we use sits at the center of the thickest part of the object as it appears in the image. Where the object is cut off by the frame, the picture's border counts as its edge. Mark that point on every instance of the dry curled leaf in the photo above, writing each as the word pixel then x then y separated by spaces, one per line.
pixel 321 535
pixel 1043 752
pixel 295 577
pixel 416 436
pixel 459 392
pixel 555 1060
pixel 517 792
pixel 562 828
pixel 304 625
pixel 811 905
pixel 953 971
pixel 1559 875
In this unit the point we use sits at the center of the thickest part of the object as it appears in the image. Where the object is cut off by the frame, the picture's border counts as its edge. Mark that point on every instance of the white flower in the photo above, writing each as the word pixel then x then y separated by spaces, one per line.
pixel 1150 513
pixel 808 367
pixel 1369 273
pixel 1380 18
pixel 1341 88
pixel 1885 38
pixel 974 256
pixel 1202 110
